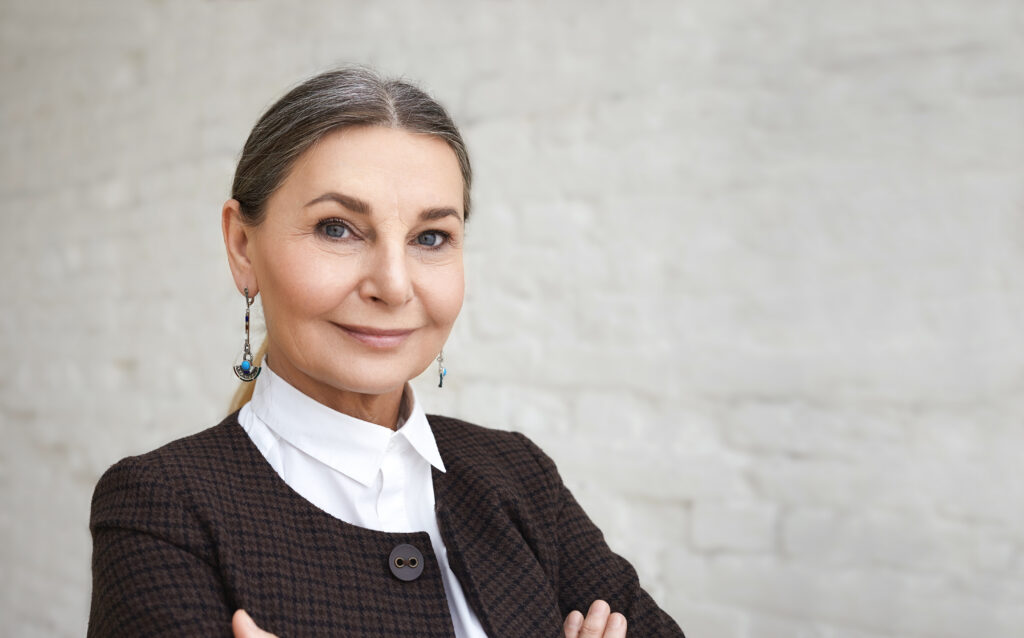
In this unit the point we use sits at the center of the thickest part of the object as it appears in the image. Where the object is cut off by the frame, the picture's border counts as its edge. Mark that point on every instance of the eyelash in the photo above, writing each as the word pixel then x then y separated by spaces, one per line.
pixel 322 225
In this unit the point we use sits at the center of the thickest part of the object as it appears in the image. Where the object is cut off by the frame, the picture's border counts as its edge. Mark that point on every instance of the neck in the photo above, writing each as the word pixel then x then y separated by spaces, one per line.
pixel 381 409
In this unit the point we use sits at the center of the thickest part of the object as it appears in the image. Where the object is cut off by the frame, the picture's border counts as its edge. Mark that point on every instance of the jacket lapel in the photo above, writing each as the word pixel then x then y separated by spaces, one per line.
pixel 485 527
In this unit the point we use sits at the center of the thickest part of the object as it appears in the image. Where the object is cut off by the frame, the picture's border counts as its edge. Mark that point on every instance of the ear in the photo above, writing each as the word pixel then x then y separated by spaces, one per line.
pixel 237 235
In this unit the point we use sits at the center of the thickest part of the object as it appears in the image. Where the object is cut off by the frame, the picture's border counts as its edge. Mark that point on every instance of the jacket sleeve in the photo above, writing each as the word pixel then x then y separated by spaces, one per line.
pixel 589 570
pixel 153 569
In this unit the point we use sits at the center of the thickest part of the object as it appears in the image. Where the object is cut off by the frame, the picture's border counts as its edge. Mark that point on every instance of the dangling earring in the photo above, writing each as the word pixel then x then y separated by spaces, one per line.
pixel 246 371
pixel 441 370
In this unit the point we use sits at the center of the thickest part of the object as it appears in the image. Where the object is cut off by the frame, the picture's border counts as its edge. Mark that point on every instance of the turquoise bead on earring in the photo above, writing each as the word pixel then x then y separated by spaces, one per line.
pixel 246 371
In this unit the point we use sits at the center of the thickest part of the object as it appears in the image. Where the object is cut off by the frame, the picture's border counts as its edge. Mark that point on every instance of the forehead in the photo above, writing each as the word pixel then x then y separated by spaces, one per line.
pixel 381 165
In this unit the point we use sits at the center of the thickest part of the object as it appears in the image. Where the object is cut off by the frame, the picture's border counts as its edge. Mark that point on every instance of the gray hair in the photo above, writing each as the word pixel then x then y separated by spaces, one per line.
pixel 333 100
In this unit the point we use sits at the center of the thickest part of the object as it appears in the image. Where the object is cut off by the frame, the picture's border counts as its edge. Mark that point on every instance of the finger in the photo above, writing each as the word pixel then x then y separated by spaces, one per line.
pixel 616 627
pixel 244 626
pixel 572 624
pixel 597 618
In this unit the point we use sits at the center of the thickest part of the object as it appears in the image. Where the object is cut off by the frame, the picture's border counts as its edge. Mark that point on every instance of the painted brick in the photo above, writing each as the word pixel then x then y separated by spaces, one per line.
pixel 749 272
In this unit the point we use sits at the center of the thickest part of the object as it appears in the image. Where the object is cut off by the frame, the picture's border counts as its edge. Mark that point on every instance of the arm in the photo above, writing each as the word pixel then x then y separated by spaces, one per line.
pixel 154 571
pixel 589 570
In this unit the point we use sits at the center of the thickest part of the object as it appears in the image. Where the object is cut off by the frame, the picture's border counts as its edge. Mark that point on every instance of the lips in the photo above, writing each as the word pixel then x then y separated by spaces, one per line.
pixel 376 337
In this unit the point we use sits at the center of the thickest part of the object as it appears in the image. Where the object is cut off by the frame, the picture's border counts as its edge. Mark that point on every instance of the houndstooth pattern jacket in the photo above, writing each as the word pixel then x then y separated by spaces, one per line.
pixel 188 533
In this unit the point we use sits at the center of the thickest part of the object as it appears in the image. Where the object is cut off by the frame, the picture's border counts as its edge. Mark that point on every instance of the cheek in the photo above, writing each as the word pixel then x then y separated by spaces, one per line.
pixel 445 295
pixel 300 282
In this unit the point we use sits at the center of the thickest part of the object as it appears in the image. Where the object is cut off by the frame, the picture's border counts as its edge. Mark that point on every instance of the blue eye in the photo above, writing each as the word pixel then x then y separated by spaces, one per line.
pixel 431 238
pixel 335 230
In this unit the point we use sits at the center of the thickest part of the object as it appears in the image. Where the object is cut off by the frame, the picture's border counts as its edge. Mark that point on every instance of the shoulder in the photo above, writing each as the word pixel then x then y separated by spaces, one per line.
pixel 484 450
pixel 449 430
pixel 170 473
pixel 469 439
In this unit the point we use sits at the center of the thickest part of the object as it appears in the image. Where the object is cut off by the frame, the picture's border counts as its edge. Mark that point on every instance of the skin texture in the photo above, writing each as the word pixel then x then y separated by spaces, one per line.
pixel 385 257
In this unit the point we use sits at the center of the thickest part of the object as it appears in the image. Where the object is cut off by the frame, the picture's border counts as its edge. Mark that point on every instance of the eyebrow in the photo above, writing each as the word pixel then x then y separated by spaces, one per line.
pixel 357 205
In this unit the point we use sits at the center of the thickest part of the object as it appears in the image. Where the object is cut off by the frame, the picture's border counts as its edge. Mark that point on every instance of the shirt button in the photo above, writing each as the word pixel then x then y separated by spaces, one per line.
pixel 406 562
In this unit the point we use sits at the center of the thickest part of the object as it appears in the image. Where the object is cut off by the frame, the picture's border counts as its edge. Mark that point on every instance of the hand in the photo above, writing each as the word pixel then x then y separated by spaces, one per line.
pixel 597 624
pixel 245 627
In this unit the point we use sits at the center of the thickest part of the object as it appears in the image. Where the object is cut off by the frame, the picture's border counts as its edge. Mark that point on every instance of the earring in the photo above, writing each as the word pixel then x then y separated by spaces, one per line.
pixel 441 370
pixel 246 371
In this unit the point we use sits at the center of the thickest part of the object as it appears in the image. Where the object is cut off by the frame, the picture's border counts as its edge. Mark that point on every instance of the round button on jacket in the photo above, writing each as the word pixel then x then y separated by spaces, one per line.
pixel 406 562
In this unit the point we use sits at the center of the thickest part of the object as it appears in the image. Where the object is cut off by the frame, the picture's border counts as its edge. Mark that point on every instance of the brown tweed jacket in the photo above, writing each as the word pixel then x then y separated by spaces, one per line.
pixel 188 533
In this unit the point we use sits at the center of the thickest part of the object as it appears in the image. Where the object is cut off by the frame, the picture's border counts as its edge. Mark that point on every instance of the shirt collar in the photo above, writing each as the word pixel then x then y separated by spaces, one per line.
pixel 351 446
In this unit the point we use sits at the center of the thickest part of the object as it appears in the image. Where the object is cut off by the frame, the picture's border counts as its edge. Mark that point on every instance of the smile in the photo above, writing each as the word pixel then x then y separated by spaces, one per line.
pixel 376 338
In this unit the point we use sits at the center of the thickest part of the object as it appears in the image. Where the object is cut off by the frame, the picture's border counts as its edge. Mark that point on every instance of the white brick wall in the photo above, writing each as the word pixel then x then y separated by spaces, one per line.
pixel 749 271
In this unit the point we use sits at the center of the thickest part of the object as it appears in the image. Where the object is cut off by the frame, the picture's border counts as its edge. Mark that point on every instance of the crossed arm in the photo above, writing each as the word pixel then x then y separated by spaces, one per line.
pixel 600 622
pixel 185 581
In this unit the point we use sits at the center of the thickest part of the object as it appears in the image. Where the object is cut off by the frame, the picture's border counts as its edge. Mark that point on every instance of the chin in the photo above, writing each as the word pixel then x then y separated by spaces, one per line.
pixel 377 377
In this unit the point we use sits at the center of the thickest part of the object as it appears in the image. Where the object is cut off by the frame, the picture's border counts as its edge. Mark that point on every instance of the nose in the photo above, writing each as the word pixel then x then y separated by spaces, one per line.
pixel 386 278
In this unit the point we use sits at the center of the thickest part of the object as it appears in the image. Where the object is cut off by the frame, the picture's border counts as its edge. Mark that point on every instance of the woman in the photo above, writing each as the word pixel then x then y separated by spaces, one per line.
pixel 327 503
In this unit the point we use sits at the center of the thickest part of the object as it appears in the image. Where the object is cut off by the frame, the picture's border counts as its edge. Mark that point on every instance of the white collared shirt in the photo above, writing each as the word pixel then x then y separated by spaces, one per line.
pixel 354 470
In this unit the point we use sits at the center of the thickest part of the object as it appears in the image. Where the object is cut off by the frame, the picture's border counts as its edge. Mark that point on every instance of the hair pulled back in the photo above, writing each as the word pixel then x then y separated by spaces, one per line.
pixel 333 100
pixel 330 101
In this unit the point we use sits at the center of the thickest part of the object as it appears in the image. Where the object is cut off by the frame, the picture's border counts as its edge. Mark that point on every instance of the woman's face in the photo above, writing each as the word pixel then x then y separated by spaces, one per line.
pixel 358 261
